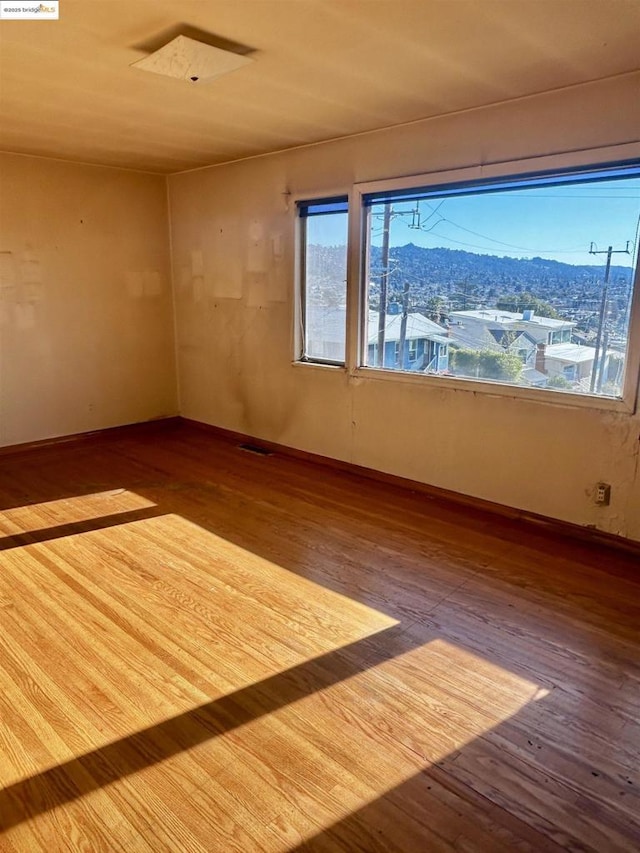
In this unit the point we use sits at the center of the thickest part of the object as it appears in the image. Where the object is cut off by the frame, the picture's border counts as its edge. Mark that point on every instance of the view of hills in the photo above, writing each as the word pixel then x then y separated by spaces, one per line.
pixel 445 269
pixel 441 280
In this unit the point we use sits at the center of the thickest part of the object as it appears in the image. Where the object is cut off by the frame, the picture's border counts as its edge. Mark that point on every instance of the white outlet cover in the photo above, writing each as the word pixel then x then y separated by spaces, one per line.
pixel 186 59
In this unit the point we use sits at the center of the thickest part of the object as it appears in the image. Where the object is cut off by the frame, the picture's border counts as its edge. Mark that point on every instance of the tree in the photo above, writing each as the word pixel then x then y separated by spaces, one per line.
pixel 463 361
pixel 519 302
pixel 435 308
pixel 464 296
pixel 559 382
pixel 503 366
pixel 486 364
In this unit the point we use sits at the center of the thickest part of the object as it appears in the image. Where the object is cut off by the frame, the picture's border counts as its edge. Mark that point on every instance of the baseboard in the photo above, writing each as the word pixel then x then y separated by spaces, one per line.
pixel 565 529
pixel 156 425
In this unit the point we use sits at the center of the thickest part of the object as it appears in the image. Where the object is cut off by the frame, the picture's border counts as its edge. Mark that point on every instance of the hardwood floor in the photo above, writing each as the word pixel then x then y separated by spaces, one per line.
pixel 203 649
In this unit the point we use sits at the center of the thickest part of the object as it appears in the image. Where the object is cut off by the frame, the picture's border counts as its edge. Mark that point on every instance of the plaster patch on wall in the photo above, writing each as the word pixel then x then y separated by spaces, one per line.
pixel 32 291
pixel 7 269
pixel 25 316
pixel 198 288
pixel 143 284
pixel 135 285
pixel 278 290
pixel 9 294
pixel 152 283
pixel 255 288
pixel 277 245
pixel 256 230
pixel 264 279
pixel 8 277
pixel 622 441
pixel 197 262
pixel 622 437
pixel 227 257
pixel 257 250
pixel 30 268
pixel 184 279
pixel 199 280
pixel 227 286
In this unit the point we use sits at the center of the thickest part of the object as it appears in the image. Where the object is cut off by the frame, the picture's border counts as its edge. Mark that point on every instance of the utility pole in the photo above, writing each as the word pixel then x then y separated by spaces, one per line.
pixel 403 323
pixel 599 357
pixel 603 359
pixel 384 279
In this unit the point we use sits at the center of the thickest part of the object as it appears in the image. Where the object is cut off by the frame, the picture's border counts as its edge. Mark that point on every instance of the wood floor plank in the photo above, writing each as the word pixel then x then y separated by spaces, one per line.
pixel 207 650
pixel 542 800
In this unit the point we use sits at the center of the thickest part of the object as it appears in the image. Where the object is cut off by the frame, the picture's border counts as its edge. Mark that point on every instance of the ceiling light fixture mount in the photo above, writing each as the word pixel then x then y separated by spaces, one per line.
pixel 194 61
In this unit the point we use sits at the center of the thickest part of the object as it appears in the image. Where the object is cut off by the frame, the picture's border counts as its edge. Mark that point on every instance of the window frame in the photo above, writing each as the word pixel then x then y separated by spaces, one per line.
pixel 300 269
pixel 573 162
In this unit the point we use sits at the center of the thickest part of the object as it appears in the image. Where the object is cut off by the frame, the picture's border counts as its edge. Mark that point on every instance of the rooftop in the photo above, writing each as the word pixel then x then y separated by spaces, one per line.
pixel 509 318
pixel 418 327
pixel 574 353
pixel 328 324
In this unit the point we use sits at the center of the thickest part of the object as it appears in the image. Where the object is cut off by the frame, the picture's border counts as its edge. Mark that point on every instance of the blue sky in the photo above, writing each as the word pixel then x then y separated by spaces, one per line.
pixel 551 222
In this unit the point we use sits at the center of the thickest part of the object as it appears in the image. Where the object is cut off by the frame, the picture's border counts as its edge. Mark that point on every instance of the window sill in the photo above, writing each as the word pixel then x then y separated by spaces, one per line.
pixel 323 365
pixel 496 389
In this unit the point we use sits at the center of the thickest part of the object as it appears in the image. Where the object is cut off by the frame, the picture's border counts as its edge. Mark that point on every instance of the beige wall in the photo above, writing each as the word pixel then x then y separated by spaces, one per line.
pixel 86 321
pixel 234 279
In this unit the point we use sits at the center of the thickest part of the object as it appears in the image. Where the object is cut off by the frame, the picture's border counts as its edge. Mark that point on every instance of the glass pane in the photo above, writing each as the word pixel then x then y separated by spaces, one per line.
pixel 526 286
pixel 325 287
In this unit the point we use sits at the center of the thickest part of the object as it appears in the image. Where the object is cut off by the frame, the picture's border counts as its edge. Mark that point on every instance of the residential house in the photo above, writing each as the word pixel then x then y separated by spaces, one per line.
pixel 542 343
pixel 575 362
pixel 510 330
pixel 426 346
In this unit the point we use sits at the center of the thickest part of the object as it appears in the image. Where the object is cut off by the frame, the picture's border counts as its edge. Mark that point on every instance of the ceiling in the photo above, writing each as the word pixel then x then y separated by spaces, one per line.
pixel 321 69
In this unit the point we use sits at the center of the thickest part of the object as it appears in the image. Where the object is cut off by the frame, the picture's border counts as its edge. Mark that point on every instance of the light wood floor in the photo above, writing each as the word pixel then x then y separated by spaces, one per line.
pixel 202 649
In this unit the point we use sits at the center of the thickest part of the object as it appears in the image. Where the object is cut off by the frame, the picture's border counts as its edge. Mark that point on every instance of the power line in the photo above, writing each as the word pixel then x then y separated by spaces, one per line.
pixel 487 248
pixel 493 240
pixel 511 245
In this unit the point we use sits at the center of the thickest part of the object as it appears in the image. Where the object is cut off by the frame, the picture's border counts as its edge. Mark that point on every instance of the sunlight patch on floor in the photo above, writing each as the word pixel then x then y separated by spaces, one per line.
pixel 124 628
pixel 391 740
pixel 330 754
pixel 69 510
pixel 129 633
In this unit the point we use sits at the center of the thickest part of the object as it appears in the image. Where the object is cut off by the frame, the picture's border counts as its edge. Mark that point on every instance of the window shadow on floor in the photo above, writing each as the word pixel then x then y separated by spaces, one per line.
pixel 75 778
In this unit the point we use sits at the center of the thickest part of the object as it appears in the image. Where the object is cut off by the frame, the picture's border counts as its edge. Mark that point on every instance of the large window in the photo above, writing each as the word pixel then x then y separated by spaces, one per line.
pixel 525 282
pixel 323 262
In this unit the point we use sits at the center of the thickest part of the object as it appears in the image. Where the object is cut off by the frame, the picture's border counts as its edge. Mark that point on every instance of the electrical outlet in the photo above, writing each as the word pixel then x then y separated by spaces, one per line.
pixel 603 494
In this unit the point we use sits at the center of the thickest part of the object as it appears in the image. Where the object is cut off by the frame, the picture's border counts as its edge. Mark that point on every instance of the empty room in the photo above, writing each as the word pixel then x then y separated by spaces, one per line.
pixel 319 426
